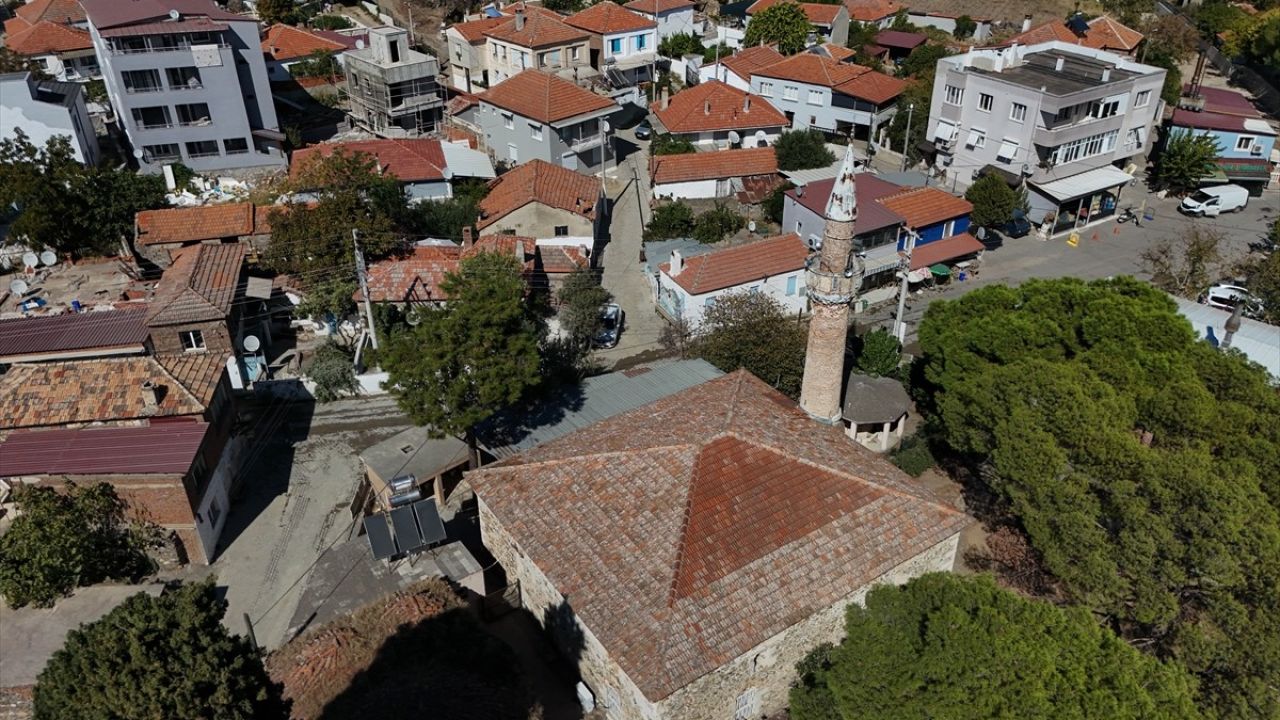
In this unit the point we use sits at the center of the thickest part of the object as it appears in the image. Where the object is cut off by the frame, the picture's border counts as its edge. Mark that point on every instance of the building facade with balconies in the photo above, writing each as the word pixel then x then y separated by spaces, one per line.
pixel 188 82
pixel 536 38
pixel 393 88
pixel 624 45
pixel 1069 121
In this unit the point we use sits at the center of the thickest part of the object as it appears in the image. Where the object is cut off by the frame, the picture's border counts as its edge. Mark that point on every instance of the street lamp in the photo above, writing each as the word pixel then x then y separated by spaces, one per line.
pixel 906 137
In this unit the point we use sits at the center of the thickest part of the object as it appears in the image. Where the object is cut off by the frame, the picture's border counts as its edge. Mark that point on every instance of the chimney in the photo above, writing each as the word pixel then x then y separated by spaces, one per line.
pixel 746 103
pixel 1106 74
pixel 706 107
pixel 150 398
pixel 1026 22
pixel 666 98
pixel 466 237
pixel 520 19
pixel 677 263
pixel 1060 63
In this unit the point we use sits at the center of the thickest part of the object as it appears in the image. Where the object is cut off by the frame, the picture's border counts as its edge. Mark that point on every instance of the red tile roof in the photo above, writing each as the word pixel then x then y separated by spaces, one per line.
pixel 871 10
pixel 1104 34
pixel 286 42
pixel 607 17
pixel 73 332
pixel 731 267
pixel 900 40
pixel 542 28
pixel 875 87
pixel 812 69
pixel 747 61
pixel 417 276
pixel 817 13
pixel 867 189
pixel 194 224
pixel 713 105
pixel 943 250
pixel 692 529
pixel 839 53
pixel 63 12
pixel 1226 102
pixel 47 37
pixel 473 30
pixel 544 97
pixel 712 165
pixel 164 449
pixel 541 182
pixel 921 207
pixel 199 286
pixel 653 7
pixel 413 160
pixel 563 258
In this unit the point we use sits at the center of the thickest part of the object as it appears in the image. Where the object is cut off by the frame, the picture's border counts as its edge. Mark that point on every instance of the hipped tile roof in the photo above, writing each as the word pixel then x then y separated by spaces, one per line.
pixel 46 37
pixel 194 224
pixel 900 40
pixel 1104 34
pixel 713 165
pixel 286 42
pixel 199 286
pixel 63 12
pixel 562 258
pixel 921 207
pixel 731 267
pixel 544 97
pixel 653 7
pixel 409 160
pixel 713 105
pixel 607 17
pixel 845 78
pixel 871 10
pixel 690 530
pixel 417 276
pixel 542 28
pixel 747 61
pixel 541 182
pixel 473 30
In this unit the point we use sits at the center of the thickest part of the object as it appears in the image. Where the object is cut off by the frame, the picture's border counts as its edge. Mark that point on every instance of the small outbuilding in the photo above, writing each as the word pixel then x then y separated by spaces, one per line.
pixel 875 411
pixel 415 460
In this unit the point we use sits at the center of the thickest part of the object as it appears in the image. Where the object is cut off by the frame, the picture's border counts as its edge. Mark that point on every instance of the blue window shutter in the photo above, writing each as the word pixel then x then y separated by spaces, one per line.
pixel 791 285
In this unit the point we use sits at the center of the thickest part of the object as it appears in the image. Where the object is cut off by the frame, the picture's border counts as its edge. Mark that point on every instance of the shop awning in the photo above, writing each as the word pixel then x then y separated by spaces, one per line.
pixel 940 270
pixel 945 131
pixel 1245 168
pixel 1086 183
pixel 974 137
pixel 940 251
pixel 1008 149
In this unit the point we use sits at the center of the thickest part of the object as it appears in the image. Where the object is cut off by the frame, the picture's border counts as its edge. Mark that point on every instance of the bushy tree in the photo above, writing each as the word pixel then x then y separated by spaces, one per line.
pixel 667 144
pixel 311 240
pixel 923 61
pixel 775 204
pixel 879 353
pixel 332 371
pixel 993 201
pixel 965 27
pixel 66 206
pixel 946 646
pixel 331 22
pixel 580 299
pixel 715 53
pixel 158 657
pixel 753 331
pixel 670 221
pixel 472 357
pixel 1262 276
pixel 784 24
pixel 446 218
pixel 802 150
pixel 679 45
pixel 1187 157
pixel 907 128
pixel 61 541
pixel 1185 265
pixel 271 12
pixel 716 224
pixel 1142 464
pixel 320 63
pixel 1260 42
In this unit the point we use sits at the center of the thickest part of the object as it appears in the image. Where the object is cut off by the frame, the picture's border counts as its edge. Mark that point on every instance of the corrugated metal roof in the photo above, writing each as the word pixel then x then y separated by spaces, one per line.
pixel 21 338
pixel 414 452
pixel 1259 341
pixel 156 449
pixel 594 400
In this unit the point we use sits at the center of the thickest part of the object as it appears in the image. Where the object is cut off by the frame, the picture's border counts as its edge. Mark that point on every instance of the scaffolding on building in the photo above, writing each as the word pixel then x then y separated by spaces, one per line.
pixel 395 110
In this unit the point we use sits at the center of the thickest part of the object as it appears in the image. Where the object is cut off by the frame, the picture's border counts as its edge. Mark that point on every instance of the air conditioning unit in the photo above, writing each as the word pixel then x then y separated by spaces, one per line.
pixel 1255 150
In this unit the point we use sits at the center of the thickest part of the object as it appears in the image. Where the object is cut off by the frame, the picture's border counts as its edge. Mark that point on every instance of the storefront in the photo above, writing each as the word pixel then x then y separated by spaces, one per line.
pixel 1074 202
pixel 1253 174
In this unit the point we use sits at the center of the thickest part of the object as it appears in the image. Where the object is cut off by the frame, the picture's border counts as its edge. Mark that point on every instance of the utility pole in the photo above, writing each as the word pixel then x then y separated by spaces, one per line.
pixel 899 325
pixel 364 287
pixel 906 137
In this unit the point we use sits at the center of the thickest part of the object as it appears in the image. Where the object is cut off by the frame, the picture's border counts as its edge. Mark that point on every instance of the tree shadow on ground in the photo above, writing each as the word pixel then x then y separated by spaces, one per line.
pixel 545 409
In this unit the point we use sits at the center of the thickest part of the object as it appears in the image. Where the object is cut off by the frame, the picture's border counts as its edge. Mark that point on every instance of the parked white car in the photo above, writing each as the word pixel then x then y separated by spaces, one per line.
pixel 1212 201
pixel 1225 296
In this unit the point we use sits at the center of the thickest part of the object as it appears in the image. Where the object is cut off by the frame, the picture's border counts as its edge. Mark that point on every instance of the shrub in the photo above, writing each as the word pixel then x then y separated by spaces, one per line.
pixel 717 224
pixel 673 220
pixel 913 456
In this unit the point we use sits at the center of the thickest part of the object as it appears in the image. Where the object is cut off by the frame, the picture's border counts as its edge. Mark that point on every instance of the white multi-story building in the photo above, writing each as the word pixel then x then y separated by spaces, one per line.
pixel 535 39
pixel 624 45
pixel 1072 122
pixel 44 110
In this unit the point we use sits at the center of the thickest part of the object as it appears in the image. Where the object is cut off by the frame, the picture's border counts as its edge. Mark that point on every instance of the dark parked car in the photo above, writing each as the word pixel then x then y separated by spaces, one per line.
pixel 644 130
pixel 1018 226
pixel 989 237
pixel 611 321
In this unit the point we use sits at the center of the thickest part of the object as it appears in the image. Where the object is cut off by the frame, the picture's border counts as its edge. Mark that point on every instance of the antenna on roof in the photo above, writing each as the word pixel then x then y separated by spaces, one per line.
pixel 175 15
pixel 49 258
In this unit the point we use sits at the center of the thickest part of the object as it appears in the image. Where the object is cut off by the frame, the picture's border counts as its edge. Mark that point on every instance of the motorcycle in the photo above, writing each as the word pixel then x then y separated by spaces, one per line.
pixel 1128 215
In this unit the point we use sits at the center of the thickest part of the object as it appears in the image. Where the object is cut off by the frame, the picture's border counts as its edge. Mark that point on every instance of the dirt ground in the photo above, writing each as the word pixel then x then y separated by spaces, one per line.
pixel 92 282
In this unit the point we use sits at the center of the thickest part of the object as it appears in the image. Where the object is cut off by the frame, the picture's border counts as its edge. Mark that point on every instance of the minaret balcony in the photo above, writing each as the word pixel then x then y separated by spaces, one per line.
pixel 828 288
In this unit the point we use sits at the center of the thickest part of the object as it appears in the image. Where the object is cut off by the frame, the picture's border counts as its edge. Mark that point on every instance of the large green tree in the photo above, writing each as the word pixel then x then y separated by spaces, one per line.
pixel 945 646
pixel 473 356
pixel 784 23
pixel 158 657
pixel 271 12
pixel 802 150
pixel 63 540
pixel 908 126
pixel 993 201
pixel 1186 159
pixel 67 206
pixel 923 61
pixel 345 191
pixel 1142 464
pixel 580 299
pixel 753 331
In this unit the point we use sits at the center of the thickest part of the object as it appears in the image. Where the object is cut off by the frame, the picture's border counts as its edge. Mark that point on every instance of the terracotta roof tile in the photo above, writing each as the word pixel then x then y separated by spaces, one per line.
pixel 900 40
pixel 46 37
pixel 741 264
pixel 812 69
pixel 943 250
pixel 563 258
pixel 921 207
pixel 542 28
pixel 85 391
pixel 839 53
pixel 473 30
pixel 871 10
pixel 15 25
pixel 713 105
pixel 286 42
pixel 653 7
pixel 747 61
pixel 63 12
pixel 817 13
pixel 607 17
pixel 690 530
pixel 713 165
pixel 874 87
pixel 194 224
pixel 544 97
pixel 410 160
pixel 198 372
pixel 199 286
pixel 1104 34
pixel 539 181
pixel 417 276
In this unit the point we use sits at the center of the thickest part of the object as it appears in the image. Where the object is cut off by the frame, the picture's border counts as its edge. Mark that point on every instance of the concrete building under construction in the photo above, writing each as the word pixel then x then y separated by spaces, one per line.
pixel 392 89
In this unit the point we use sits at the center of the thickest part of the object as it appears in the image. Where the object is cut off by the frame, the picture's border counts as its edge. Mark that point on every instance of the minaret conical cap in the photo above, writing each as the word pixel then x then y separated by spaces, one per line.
pixel 843 205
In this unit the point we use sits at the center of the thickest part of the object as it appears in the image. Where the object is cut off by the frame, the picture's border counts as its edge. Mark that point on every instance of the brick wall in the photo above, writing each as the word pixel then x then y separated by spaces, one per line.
pixel 167 339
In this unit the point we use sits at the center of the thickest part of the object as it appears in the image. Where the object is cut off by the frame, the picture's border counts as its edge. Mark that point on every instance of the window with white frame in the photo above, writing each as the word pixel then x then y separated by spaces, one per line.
pixel 575 53
pixel 508 120
pixel 1142 99
pixel 535 131
pixel 192 340
pixel 615 46
pixel 1244 143
pixel 641 42
pixel 955 95
pixel 766 89
pixel 815 97
pixel 1104 108
pixel 1008 150
pixel 986 102
pixel 977 138
pixel 1085 147
pixel 949 229
pixel 790 92
pixel 1017 112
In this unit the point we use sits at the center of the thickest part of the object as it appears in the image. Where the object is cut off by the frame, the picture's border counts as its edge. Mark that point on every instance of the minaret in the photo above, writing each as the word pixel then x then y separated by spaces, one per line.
pixel 832 280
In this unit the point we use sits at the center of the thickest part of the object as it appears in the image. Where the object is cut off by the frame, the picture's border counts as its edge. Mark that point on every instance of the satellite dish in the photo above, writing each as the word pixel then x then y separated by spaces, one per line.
pixel 734 137
pixel 30 259
pixel 138 153
pixel 18 287
pixel 761 136
pixel 359 44
pixel 605 126
pixel 49 258
pixel 251 343
pixel 448 174
pixel 413 318
pixel 751 225
pixel 175 15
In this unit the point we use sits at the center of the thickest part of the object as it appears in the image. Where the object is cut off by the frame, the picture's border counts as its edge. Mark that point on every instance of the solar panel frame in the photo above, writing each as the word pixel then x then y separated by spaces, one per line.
pixel 405 525
pixel 430 525
pixel 378 532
